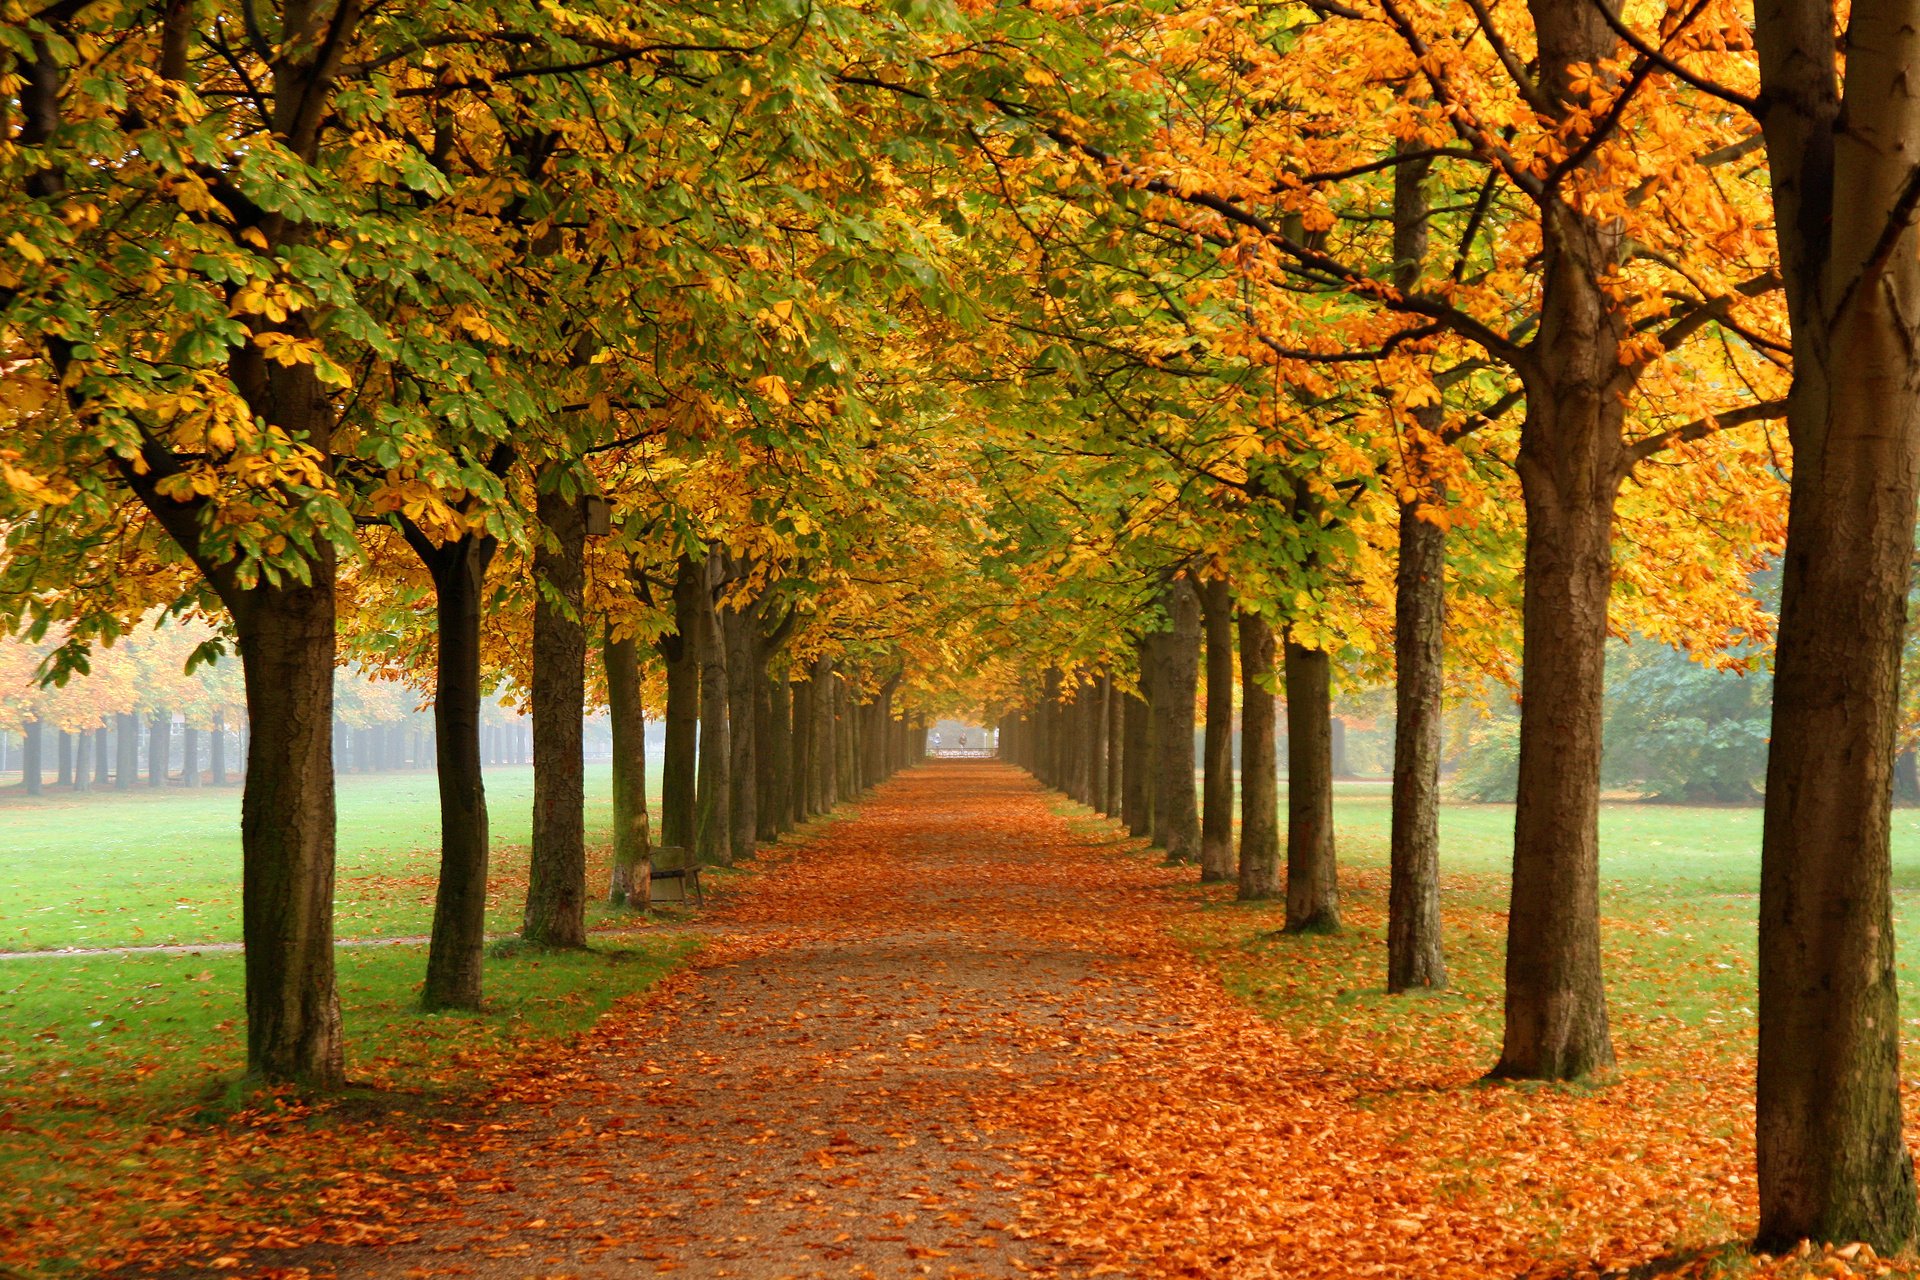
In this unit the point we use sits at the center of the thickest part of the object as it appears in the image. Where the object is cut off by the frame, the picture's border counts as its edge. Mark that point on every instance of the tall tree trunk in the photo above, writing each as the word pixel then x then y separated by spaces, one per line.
pixel 774 735
pixel 30 757
pixel 1098 723
pixel 63 765
pixel 1114 804
pixel 1313 887
pixel 189 755
pixel 1833 1163
pixel 800 788
pixel 287 651
pixel 159 747
pixel 82 763
pixel 126 744
pixel 824 784
pixel 103 755
pixel 456 949
pixel 1176 807
pixel 1556 1007
pixel 1414 955
pixel 712 832
pixel 1135 761
pixel 1216 819
pixel 1259 766
pixel 681 653
pixel 740 630
pixel 631 885
pixel 557 866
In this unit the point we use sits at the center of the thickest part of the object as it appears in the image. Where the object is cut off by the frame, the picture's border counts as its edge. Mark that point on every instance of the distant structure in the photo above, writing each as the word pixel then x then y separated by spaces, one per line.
pixel 962 740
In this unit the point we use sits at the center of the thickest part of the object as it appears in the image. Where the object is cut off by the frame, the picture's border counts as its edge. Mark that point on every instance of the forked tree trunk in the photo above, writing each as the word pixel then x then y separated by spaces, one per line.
pixel 1414 955
pixel 1176 807
pixel 1259 765
pixel 456 951
pixel 1313 885
pixel 681 653
pixel 557 862
pixel 631 885
pixel 1216 817
pixel 1833 1163
pixel 712 832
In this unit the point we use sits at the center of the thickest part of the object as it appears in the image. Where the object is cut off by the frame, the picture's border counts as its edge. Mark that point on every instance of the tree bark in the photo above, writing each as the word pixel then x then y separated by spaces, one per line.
pixel 740 629
pixel 824 783
pixel 1135 762
pixel 1098 720
pixel 800 788
pixel 1414 955
pixel 631 885
pixel 159 747
pixel 1113 804
pixel 680 651
pixel 456 950
pixel 287 650
pixel 1259 870
pixel 126 746
pixel 1176 807
pixel 713 807
pixel 557 867
pixel 30 755
pixel 772 732
pixel 1313 886
pixel 1216 821
pixel 63 759
pixel 1833 1162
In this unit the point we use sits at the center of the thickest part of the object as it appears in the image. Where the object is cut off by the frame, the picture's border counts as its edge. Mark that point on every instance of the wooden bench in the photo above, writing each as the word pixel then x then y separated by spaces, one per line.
pixel 672 883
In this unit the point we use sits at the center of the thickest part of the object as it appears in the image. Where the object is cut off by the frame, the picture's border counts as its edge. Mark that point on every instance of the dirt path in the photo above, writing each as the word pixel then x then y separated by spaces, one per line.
pixel 806 1099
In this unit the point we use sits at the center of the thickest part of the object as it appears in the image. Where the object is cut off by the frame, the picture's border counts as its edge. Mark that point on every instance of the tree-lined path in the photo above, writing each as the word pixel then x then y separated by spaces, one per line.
pixel 954 1035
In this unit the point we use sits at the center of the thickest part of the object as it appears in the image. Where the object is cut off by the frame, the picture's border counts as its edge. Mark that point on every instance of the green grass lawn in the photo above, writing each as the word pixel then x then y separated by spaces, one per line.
pixel 149 867
pixel 1679 900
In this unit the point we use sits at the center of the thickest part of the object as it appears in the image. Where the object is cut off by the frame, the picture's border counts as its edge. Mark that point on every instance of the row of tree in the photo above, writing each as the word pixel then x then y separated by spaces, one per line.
pixel 947 346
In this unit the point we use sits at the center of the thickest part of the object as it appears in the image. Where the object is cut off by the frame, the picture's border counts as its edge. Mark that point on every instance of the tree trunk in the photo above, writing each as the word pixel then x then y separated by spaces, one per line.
pixel 189 755
pixel 103 756
pixel 456 949
pixel 63 760
pixel 1113 804
pixel 1313 886
pixel 632 852
pixel 1176 807
pixel 557 862
pixel 1833 1164
pixel 712 833
pixel 1556 1009
pixel 800 788
pixel 1414 955
pixel 1906 777
pixel 774 735
pixel 30 754
pixel 82 763
pixel 1216 822
pixel 126 745
pixel 287 650
pixel 159 747
pixel 1135 760
pixel 1098 735
pixel 1259 766
pixel 740 630
pixel 823 785
pixel 217 750
pixel 681 653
